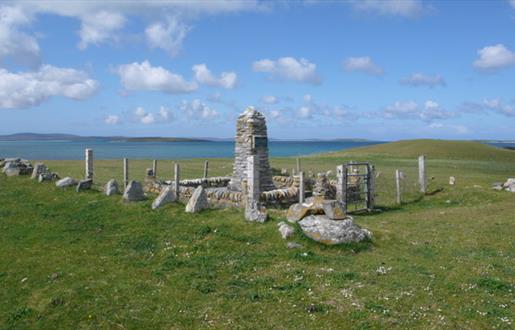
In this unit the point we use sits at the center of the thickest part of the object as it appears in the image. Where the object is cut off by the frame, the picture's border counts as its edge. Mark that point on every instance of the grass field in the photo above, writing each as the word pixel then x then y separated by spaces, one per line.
pixel 83 260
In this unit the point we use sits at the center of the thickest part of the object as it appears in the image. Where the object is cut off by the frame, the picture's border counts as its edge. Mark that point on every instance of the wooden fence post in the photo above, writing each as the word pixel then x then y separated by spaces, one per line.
pixel 176 178
pixel 154 168
pixel 398 186
pixel 206 166
pixel 422 174
pixel 298 165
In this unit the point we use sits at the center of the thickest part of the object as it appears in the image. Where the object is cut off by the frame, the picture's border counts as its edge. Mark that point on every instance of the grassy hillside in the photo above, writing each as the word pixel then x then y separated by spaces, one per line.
pixel 446 260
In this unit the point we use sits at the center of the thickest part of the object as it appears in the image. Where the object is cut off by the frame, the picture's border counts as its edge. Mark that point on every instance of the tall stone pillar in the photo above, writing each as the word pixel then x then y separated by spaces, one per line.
pixel 251 140
pixel 89 163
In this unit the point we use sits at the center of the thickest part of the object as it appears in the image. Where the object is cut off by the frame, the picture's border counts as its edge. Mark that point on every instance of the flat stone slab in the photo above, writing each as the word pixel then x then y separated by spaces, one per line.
pixel 134 192
pixel 331 232
pixel 65 182
pixel 299 211
pixel 166 196
pixel 198 201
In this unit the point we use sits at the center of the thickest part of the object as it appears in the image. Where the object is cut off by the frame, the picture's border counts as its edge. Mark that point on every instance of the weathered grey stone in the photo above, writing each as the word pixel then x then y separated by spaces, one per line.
pixel 111 188
pixel 166 196
pixel 47 176
pixel 452 181
pixel 510 182
pixel 330 232
pixel 334 209
pixel 254 213
pixel 11 170
pixel 65 182
pixel 497 186
pixel 134 192
pixel 286 230
pixel 299 211
pixel 84 185
pixel 39 168
pixel 16 166
pixel 198 201
pixel 293 245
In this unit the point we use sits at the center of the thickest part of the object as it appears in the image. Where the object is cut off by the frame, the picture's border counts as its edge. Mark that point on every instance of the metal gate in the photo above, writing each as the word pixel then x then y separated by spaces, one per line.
pixel 360 186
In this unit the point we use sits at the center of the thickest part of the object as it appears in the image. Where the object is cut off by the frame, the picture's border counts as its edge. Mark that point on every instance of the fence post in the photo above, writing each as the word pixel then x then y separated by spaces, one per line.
pixel 206 166
pixel 422 174
pixel 341 188
pixel 89 163
pixel 176 179
pixel 398 186
pixel 298 164
pixel 302 191
pixel 154 168
pixel 125 172
pixel 370 186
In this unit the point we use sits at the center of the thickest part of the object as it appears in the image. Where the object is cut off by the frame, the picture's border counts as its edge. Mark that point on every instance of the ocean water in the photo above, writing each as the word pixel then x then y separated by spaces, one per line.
pixel 61 150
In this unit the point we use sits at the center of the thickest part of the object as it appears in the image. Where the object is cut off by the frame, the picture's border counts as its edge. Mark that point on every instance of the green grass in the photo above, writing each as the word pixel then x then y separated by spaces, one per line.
pixel 85 260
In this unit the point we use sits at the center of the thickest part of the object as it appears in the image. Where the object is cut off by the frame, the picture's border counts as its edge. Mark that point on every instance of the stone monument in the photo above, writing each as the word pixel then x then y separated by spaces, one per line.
pixel 251 140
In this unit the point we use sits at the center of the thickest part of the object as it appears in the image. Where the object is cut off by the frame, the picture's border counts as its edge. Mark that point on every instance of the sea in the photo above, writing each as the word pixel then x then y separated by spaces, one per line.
pixel 69 150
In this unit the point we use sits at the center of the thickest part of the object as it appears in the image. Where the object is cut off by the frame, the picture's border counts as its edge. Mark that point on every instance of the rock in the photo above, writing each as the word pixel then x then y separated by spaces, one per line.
pixel 330 232
pixel 111 188
pixel 497 186
pixel 65 182
pixel 134 192
pixel 12 171
pixel 84 185
pixel 16 166
pixel 293 245
pixel 511 188
pixel 254 213
pixel 452 181
pixel 334 209
pixel 166 196
pixel 198 201
pixel 510 182
pixel 299 211
pixel 286 230
pixel 39 169
pixel 48 176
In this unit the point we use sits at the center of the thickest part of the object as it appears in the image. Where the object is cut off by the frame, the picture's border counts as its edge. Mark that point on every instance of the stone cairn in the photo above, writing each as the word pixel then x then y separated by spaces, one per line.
pixel 251 140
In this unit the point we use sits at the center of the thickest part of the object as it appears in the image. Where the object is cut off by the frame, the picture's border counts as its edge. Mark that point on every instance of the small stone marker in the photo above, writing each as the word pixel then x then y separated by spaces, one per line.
pixel 176 182
pixel 84 185
pixel 452 181
pixel 198 201
pixel 111 188
pixel 125 173
pixel 134 192
pixel 66 182
pixel 422 174
pixel 39 168
pixel 206 167
pixel 285 230
pixel 166 196
pixel 89 163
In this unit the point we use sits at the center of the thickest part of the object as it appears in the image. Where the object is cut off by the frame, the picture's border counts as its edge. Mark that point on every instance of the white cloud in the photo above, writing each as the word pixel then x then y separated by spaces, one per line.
pixel 14 43
pixel 165 113
pixel 419 79
pixel 428 112
pixel 305 112
pixel 143 76
pixel 26 89
pixel 406 8
pixel 143 116
pixel 457 129
pixel 269 99
pixel 494 57
pixel 168 36
pixel 204 76
pixel 489 105
pixel 198 110
pixel 112 120
pixel 99 27
pixel 363 64
pixel 289 68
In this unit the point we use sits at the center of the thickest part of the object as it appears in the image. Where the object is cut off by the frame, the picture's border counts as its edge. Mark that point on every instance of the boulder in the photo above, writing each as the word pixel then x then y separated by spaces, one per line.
pixel 39 169
pixel 198 201
pixel 330 232
pixel 111 188
pixel 286 230
pixel 166 196
pixel 65 182
pixel 254 213
pixel 134 192
pixel 11 170
pixel 452 181
pixel 334 209
pixel 84 185
pixel 299 211
pixel 510 182
pixel 16 166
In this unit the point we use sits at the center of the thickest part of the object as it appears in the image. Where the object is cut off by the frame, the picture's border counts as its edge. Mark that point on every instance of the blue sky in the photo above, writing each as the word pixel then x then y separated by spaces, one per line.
pixel 357 69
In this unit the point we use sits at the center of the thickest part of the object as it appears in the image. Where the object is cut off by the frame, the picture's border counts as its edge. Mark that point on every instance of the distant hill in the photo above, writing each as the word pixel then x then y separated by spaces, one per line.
pixel 71 137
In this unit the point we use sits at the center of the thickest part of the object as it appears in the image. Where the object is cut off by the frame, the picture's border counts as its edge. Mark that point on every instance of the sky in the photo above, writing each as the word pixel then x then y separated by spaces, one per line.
pixel 379 70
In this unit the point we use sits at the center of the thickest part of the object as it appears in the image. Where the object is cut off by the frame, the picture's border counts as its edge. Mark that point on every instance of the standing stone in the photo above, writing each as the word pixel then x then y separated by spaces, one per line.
pixel 166 196
pixel 65 182
pixel 398 186
pixel 253 211
pixel 134 192
pixel 198 201
pixel 176 178
pixel 154 168
pixel 422 174
pixel 206 167
pixel 341 185
pixel 125 173
pixel 302 191
pixel 84 185
pixel 89 163
pixel 39 168
pixel 452 181
pixel 251 140
pixel 111 188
